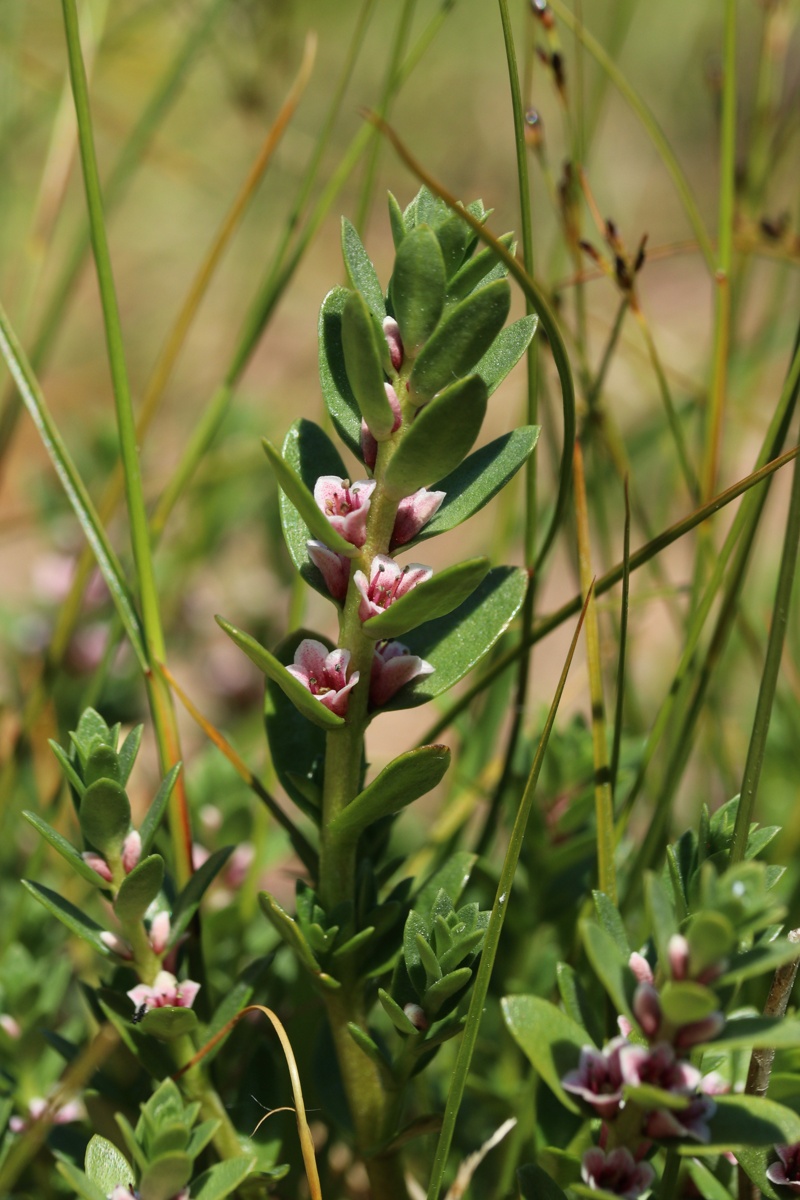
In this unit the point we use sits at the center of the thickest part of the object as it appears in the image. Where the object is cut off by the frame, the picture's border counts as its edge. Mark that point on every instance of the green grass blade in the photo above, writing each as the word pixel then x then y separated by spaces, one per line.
pixel 73 485
pixel 623 643
pixel 499 908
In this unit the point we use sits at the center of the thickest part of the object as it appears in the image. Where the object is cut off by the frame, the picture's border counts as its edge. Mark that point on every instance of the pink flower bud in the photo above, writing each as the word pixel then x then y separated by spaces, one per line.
pixel 159 932
pixel 98 864
pixel 416 1016
pixel 647 1009
pixel 640 967
pixel 131 851
pixel 391 332
pixel 678 952
pixel 116 945
pixel 9 1026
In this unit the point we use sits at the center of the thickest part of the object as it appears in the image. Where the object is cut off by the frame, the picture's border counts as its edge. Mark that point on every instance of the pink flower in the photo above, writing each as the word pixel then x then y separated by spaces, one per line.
pixel 640 967
pixel 324 674
pixel 345 505
pixel 131 851
pixel 414 512
pixel 73 1110
pixel 616 1172
pixel 335 568
pixel 597 1080
pixel 369 446
pixel 98 864
pixel 120 1192
pixel 160 931
pixel 387 583
pixel 10 1026
pixel 658 1067
pixel 394 341
pixel 166 992
pixel 691 1121
pixel 786 1173
pixel 392 666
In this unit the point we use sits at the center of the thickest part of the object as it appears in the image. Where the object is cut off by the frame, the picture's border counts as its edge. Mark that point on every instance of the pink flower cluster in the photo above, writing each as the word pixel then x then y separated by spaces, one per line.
pixel 601 1078
pixel 325 674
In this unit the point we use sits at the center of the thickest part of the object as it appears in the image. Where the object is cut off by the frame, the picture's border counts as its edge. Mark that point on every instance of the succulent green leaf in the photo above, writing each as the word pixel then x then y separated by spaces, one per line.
pixel 478 479
pixel 105 816
pixel 454 644
pixel 428 959
pixel 403 781
pixel 460 340
pixel 289 930
pixel 84 1186
pixel 300 696
pixel 336 390
pixel 65 849
pixel 535 1184
pixel 155 813
pixel 168 1023
pixel 106 1165
pixel 451 878
pixel 577 1003
pixel 222 1179
pixel 368 1044
pixel 168 1136
pixel 435 597
pixel 707 1184
pixel 101 763
pixel 548 1038
pixel 398 225
pixel 139 889
pixel 452 235
pixel 661 911
pixel 610 965
pixel 394 1012
pixel 747 1121
pixel 360 270
pixel 505 352
pixel 475 270
pixel 76 921
pixel 91 729
pixel 759 960
pixel 742 1033
pixel 311 453
pixel 128 751
pixel 202 1134
pixel 165 1176
pixel 68 768
pixel 189 899
pixel 303 500
pixel 711 938
pixel 687 1001
pixel 445 988
pixel 441 436
pixel 363 357
pixel 417 289
pixel 297 747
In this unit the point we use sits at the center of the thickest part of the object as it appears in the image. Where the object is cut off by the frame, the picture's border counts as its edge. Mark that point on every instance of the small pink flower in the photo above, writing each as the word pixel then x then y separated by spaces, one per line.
pixel 131 851
pixel 392 666
pixel 691 1122
pixel 98 864
pixel 394 341
pixel 9 1026
pixel 238 865
pixel 73 1110
pixel 647 1009
pixel 324 674
pixel 166 992
pixel 120 1192
pixel 786 1173
pixel 369 445
pixel 640 967
pixel 387 583
pixel 617 1172
pixel 335 568
pixel 414 512
pixel 116 945
pixel 160 931
pixel 346 505
pixel 597 1080
pixel 659 1067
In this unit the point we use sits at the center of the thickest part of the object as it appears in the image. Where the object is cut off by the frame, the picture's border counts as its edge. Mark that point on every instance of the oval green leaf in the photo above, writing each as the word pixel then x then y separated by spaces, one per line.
pixel 441 436
pixel 360 270
pixel 168 1023
pixel 336 390
pixel 435 597
pixel 548 1038
pixel 418 287
pixel 300 696
pixel 105 816
pixel 169 1174
pixel 746 1121
pixel 506 351
pixel 221 1179
pixel 687 1001
pixel 478 479
pixel 474 271
pixel 106 1165
pixel 363 360
pixel 139 889
pixel 460 340
pixel 303 500
pixel 396 221
pixel 403 781
pixel 454 644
